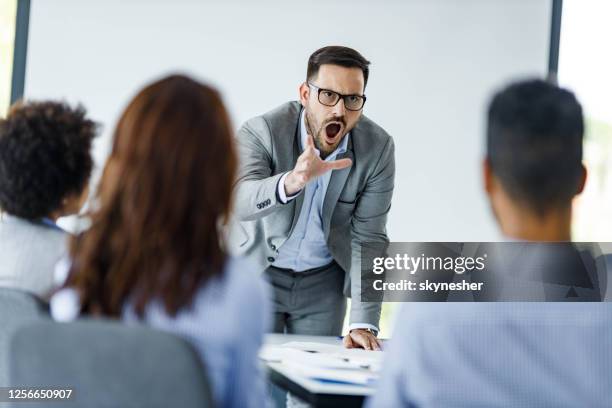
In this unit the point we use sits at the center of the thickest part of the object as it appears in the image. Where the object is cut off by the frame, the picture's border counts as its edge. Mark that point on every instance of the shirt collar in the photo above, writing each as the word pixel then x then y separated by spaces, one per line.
pixel 342 147
pixel 13 219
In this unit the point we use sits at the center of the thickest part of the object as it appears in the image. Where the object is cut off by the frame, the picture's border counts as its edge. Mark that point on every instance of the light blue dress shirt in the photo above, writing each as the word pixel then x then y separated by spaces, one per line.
pixel 225 324
pixel 506 354
pixel 306 247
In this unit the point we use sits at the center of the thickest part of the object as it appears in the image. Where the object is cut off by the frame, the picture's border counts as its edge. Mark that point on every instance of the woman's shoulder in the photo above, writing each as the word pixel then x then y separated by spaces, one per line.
pixel 36 235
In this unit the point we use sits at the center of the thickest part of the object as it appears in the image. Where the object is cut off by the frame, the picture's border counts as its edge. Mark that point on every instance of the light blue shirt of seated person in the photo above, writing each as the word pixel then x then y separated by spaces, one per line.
pixel 506 354
pixel 225 324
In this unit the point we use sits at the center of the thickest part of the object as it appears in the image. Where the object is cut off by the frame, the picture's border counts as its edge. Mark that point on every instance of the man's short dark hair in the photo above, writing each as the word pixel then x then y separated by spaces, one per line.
pixel 534 143
pixel 44 157
pixel 337 55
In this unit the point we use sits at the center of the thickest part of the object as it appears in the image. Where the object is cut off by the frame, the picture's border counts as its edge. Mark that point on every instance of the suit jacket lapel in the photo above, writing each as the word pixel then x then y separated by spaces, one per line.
pixel 297 202
pixel 335 187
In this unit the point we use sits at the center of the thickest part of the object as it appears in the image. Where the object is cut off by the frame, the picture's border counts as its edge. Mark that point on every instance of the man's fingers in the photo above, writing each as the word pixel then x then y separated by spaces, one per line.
pixel 348 342
pixel 374 342
pixel 338 164
pixel 370 342
pixel 378 344
pixel 366 342
pixel 362 339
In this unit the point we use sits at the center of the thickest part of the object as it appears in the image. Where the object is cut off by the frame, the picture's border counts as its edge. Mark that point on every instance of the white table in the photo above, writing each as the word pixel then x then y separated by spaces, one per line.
pixel 317 393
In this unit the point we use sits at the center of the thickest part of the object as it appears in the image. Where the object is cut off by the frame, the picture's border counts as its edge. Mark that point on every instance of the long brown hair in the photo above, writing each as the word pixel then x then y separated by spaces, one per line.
pixel 165 189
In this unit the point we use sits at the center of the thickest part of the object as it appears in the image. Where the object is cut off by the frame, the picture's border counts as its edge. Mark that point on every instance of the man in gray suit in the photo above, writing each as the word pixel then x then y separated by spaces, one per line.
pixel 315 181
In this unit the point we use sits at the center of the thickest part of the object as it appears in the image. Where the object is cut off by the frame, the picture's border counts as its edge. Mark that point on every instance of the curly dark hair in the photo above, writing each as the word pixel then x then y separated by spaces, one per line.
pixel 44 157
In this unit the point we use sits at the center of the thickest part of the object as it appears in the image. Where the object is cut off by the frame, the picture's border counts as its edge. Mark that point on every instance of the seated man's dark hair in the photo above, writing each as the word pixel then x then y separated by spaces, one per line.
pixel 534 144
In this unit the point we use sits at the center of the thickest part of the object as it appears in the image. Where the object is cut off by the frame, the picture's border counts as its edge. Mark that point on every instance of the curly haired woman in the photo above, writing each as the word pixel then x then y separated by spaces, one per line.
pixel 45 165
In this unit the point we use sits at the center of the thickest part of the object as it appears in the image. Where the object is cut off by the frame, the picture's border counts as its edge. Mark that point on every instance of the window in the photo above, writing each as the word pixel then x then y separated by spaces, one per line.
pixel 8 12
pixel 585 65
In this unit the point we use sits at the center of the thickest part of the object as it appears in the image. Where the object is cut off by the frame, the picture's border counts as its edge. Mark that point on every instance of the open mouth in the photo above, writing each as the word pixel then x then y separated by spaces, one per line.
pixel 332 131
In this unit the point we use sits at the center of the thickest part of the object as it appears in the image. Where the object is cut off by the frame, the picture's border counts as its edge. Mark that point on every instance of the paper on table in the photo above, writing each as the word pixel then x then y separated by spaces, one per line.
pixel 331 348
pixel 312 346
pixel 323 360
pixel 272 353
pixel 356 377
pixel 322 355
pixel 360 357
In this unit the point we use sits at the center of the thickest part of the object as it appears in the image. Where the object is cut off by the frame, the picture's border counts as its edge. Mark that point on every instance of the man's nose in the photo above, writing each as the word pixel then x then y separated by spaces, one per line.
pixel 339 109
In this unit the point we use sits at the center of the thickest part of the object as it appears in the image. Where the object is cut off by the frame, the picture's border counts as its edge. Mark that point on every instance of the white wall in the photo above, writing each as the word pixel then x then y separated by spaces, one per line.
pixel 434 66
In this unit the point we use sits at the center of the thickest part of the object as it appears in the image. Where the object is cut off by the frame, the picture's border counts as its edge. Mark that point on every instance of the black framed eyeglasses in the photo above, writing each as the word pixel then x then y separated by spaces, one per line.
pixel 328 97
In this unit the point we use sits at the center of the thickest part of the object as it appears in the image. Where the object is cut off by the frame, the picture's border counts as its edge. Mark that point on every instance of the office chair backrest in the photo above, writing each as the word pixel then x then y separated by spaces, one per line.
pixel 606 278
pixel 109 364
pixel 17 308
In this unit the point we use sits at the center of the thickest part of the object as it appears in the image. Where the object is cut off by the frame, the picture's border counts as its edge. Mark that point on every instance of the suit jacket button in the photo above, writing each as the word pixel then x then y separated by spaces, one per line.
pixel 273 247
pixel 270 259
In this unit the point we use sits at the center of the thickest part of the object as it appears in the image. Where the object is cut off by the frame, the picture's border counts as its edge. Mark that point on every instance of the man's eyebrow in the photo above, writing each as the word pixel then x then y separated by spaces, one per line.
pixel 346 94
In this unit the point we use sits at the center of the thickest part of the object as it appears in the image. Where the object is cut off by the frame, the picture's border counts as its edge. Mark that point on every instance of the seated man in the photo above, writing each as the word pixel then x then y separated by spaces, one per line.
pixel 45 164
pixel 508 353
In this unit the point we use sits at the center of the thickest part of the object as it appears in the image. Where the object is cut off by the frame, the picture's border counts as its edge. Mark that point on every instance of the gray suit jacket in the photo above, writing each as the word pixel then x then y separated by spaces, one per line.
pixel 355 207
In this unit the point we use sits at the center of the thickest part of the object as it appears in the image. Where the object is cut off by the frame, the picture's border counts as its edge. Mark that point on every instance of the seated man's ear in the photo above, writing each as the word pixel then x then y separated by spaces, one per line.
pixel 583 179
pixel 487 175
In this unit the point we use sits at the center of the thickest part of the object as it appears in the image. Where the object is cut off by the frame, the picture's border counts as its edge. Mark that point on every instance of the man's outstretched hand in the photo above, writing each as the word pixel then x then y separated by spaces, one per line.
pixel 361 338
pixel 309 166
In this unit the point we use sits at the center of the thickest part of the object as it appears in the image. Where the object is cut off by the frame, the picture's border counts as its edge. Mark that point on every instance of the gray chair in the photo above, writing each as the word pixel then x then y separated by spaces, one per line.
pixel 17 308
pixel 606 282
pixel 109 364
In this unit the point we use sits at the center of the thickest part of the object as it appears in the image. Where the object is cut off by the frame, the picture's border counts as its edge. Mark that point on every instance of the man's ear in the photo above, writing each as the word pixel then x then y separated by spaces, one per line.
pixel 487 176
pixel 583 179
pixel 304 93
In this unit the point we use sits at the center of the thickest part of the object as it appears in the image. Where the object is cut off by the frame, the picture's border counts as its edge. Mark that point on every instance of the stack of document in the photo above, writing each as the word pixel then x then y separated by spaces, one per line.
pixel 326 362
